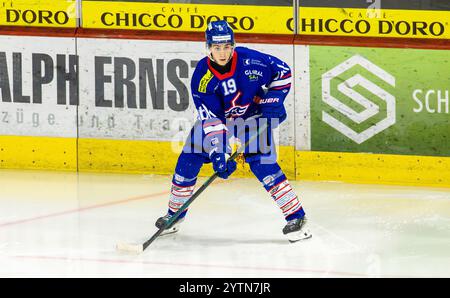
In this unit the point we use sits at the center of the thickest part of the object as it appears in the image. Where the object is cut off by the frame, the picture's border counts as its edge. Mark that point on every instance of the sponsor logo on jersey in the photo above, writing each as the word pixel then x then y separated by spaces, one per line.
pixel 260 100
pixel 269 100
pixel 247 62
pixel 253 74
pixel 253 78
pixel 204 81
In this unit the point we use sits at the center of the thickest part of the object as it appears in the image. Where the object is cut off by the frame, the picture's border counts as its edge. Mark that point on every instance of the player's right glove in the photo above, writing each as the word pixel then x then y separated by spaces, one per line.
pixel 222 166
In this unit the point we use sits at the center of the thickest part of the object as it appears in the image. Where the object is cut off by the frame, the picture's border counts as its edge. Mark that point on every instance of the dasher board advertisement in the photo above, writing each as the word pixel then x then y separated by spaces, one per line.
pixel 374 22
pixel 186 17
pixel 378 100
pixel 38 86
pixel 39 13
pixel 140 90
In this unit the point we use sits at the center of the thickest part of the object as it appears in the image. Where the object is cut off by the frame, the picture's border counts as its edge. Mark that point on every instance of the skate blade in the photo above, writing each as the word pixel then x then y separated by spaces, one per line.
pixel 172 230
pixel 298 236
pixel 132 248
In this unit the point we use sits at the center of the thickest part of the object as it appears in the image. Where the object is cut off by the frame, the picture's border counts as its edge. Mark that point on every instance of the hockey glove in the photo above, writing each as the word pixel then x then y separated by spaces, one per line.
pixel 223 167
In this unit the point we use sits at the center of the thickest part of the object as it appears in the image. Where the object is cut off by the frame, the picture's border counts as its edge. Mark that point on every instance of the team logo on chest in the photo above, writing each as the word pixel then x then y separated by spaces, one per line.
pixel 236 110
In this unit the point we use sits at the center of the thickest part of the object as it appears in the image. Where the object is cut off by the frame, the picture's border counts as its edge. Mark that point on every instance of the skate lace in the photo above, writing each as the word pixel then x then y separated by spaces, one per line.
pixel 292 222
pixel 167 217
pixel 297 221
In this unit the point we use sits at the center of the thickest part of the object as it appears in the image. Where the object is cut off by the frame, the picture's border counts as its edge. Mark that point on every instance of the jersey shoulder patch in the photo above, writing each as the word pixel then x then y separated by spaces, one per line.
pixel 252 57
pixel 204 81
pixel 202 77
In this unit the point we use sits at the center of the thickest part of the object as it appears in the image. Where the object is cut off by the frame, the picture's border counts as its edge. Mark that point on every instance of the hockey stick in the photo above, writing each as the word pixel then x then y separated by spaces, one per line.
pixel 138 248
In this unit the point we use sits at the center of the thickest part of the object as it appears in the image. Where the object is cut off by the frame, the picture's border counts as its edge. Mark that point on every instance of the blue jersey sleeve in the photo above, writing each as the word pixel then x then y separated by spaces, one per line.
pixel 280 82
pixel 210 110
pixel 271 100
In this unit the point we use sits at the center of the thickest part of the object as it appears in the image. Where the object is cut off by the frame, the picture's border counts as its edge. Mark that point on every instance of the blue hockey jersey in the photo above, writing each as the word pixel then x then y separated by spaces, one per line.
pixel 254 80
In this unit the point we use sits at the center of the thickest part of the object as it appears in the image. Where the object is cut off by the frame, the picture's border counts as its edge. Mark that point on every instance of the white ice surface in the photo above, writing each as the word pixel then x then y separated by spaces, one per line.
pixel 56 224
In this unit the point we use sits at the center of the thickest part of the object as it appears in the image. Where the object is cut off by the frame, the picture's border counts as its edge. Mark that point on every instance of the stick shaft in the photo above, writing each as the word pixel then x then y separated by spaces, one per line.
pixel 182 208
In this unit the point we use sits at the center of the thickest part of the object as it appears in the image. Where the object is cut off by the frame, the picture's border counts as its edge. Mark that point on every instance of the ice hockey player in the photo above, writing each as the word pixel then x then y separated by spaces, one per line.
pixel 236 83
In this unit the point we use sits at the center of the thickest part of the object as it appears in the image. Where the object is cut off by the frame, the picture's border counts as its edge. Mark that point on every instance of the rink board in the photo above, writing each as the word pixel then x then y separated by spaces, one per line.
pixel 373 168
pixel 39 153
pixel 109 123
pixel 374 22
pixel 38 86
pixel 38 107
pixel 140 90
pixel 139 157
pixel 135 132
pixel 39 13
pixel 156 157
pixel 380 100
pixel 186 16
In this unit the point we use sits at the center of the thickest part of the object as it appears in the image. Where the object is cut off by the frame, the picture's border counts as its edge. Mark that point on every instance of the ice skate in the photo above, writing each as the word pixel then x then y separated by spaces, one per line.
pixel 297 229
pixel 173 228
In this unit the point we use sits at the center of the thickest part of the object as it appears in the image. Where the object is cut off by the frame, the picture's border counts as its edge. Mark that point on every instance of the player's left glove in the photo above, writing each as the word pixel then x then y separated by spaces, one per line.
pixel 222 166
